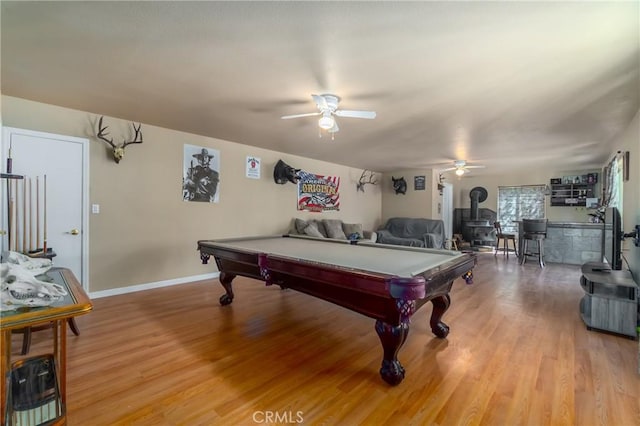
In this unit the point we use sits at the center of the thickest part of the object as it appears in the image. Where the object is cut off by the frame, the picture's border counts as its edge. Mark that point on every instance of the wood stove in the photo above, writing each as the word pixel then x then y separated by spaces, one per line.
pixel 476 230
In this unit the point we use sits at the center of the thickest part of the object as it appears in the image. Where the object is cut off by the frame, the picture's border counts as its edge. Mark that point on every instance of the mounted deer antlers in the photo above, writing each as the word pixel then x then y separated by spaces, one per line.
pixel 118 151
pixel 370 178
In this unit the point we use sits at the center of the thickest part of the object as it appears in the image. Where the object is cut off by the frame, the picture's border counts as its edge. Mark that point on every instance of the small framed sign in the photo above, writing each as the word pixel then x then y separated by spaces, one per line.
pixel 419 183
pixel 253 167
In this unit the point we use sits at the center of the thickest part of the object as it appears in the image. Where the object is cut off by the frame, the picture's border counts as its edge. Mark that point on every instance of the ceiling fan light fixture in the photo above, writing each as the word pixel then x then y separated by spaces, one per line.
pixel 326 122
pixel 328 108
pixel 459 172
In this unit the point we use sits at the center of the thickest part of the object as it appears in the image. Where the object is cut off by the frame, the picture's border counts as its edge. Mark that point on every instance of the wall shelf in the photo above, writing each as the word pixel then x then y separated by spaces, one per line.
pixel 571 194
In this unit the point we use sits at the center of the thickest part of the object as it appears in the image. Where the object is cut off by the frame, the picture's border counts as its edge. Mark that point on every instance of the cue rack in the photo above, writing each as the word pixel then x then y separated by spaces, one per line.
pixel 26 230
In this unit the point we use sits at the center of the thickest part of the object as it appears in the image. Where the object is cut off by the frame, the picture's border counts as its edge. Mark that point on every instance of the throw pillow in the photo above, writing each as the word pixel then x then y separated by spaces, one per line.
pixel 320 227
pixel 334 228
pixel 312 230
pixel 353 228
pixel 300 225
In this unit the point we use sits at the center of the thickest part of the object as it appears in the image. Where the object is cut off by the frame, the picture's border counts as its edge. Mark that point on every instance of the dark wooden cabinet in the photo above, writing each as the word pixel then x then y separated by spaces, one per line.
pixel 572 194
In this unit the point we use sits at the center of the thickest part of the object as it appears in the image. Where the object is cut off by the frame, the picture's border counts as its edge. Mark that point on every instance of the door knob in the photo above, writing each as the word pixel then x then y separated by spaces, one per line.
pixel 74 232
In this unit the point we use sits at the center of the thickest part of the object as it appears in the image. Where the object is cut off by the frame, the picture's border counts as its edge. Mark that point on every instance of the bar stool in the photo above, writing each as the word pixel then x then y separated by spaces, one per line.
pixel 505 237
pixel 534 230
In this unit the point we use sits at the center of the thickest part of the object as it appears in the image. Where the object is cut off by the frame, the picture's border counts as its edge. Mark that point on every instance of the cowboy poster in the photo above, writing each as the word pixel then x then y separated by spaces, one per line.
pixel 201 175
pixel 318 193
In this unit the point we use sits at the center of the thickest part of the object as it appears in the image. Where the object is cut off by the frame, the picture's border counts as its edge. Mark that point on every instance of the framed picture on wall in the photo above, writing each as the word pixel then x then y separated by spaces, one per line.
pixel 201 174
pixel 252 167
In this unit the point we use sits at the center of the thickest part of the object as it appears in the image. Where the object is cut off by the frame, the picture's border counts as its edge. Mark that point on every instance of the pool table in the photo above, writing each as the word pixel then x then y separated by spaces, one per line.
pixel 385 282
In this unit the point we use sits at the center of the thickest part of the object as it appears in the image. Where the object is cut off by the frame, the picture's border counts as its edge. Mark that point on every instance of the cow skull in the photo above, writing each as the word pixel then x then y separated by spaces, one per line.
pixel 33 265
pixel 118 151
pixel 22 288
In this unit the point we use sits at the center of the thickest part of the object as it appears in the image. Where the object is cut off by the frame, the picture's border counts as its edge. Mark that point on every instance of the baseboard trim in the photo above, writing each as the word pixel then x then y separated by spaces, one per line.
pixel 150 286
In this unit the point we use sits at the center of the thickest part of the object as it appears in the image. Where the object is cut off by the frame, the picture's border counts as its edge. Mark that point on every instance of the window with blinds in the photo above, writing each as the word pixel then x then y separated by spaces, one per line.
pixel 520 202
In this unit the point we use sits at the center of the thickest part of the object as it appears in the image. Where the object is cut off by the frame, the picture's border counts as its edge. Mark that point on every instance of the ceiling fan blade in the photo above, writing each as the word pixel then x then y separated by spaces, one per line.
pixel 474 167
pixel 310 114
pixel 355 114
pixel 448 169
pixel 321 102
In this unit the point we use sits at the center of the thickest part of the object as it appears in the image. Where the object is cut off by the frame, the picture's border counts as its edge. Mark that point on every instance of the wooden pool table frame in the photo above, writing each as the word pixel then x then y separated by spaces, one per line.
pixel 390 300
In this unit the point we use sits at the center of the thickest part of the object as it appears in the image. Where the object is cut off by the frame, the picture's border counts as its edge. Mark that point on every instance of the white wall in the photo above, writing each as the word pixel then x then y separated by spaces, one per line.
pixel 630 141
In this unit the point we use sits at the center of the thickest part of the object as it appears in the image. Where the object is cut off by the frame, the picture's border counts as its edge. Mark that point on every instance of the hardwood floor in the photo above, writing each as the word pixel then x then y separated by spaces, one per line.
pixel 518 354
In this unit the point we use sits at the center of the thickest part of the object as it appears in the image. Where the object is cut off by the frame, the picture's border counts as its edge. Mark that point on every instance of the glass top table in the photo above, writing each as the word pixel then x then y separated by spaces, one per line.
pixel 75 303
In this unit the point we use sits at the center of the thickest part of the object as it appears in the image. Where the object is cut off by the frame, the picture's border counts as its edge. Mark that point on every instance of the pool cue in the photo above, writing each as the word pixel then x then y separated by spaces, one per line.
pixel 44 236
pixel 37 212
pixel 13 216
pixel 17 218
pixel 10 196
pixel 9 159
pixel 9 214
pixel 30 216
pixel 24 216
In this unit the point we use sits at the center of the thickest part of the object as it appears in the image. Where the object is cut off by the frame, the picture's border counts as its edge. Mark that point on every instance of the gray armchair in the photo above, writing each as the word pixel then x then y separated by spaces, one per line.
pixel 413 232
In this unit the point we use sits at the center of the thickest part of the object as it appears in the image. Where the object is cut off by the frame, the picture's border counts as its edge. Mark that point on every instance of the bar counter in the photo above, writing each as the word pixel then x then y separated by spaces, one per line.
pixel 574 243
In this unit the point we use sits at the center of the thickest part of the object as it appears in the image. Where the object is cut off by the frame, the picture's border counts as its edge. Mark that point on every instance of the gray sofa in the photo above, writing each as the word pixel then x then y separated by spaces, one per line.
pixel 331 228
pixel 414 232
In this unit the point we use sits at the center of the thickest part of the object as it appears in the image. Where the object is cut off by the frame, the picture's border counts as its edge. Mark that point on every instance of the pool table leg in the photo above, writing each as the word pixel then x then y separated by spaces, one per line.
pixel 225 280
pixel 440 305
pixel 392 338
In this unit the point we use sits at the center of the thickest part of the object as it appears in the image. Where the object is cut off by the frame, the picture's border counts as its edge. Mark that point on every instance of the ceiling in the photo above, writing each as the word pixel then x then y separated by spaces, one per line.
pixel 509 85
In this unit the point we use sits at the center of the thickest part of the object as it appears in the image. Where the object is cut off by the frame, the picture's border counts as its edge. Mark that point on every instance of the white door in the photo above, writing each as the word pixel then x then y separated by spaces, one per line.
pixel 447 210
pixel 61 161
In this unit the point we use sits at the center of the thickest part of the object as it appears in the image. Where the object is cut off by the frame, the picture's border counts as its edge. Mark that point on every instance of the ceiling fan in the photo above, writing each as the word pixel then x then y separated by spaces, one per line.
pixel 328 108
pixel 461 167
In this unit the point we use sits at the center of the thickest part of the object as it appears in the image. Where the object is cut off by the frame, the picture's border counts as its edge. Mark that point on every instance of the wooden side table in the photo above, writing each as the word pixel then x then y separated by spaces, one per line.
pixel 26 331
pixel 75 303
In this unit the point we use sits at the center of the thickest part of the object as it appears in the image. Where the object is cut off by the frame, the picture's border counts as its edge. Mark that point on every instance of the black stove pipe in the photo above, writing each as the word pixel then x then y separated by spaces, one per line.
pixel 475 211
